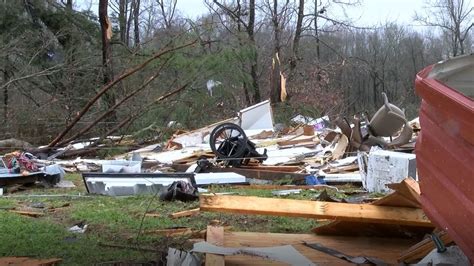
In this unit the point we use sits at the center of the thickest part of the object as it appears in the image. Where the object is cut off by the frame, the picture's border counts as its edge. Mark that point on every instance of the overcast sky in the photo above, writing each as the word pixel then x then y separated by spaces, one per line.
pixel 368 13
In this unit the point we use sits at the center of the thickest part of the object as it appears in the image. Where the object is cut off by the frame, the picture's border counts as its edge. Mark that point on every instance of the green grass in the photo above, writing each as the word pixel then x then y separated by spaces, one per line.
pixel 117 220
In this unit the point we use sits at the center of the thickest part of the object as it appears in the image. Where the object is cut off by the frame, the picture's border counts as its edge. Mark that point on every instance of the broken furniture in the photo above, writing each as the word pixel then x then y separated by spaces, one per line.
pixel 386 122
pixel 230 144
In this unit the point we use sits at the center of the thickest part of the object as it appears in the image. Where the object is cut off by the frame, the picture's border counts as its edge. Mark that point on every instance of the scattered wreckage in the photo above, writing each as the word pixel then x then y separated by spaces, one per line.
pixel 374 152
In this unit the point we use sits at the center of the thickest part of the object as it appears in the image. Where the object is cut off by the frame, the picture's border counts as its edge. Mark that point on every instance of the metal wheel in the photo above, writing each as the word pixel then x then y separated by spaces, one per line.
pixel 228 140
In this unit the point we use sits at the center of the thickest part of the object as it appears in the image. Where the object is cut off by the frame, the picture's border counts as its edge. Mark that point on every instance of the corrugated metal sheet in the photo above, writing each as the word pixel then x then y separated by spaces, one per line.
pixel 445 158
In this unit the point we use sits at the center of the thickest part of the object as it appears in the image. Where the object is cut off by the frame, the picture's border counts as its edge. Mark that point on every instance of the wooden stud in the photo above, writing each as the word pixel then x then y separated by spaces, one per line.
pixel 186 213
pixel 315 209
pixel 215 236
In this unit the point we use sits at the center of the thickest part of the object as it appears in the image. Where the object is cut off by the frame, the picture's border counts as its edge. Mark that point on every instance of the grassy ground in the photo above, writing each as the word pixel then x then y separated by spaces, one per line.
pixel 115 220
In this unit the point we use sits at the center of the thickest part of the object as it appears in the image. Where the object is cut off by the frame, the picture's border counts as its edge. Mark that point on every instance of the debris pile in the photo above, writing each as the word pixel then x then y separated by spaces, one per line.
pixel 373 155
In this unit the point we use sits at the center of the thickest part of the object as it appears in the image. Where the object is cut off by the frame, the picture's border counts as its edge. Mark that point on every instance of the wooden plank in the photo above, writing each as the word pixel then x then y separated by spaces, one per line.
pixel 314 209
pixel 185 213
pixel 406 194
pixel 215 236
pixel 421 249
pixel 340 148
pixel 387 249
pixel 308 144
pixel 27 213
pixel 343 169
pixel 297 140
pixel 251 172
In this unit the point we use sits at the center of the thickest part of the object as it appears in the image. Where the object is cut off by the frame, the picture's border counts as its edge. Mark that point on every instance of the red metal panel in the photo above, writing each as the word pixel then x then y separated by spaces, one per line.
pixel 445 159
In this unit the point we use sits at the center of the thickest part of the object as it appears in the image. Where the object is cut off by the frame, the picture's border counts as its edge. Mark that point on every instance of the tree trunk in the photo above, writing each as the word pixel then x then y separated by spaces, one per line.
pixel 122 17
pixel 296 40
pixel 136 21
pixel 318 51
pixel 129 23
pixel 5 98
pixel 253 68
pixel 275 80
pixel 108 75
pixel 276 28
pixel 69 5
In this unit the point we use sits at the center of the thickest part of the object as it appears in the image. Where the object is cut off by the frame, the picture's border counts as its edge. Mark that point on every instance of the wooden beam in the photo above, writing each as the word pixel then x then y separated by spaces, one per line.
pixel 250 173
pixel 281 187
pixel 215 236
pixel 185 213
pixel 421 249
pixel 314 209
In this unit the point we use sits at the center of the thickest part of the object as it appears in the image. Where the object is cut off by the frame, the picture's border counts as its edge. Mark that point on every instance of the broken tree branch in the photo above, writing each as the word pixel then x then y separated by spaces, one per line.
pixel 137 114
pixel 109 85
pixel 113 108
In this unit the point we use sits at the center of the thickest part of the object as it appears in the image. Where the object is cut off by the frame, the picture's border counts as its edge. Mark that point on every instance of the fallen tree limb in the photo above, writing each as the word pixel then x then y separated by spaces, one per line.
pixel 109 85
pixel 315 209
pixel 113 108
pixel 137 114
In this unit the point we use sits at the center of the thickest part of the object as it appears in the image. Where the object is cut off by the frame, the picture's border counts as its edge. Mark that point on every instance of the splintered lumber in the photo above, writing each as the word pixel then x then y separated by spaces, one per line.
pixel 406 194
pixel 27 213
pixel 314 209
pixel 308 144
pixel 421 249
pixel 386 249
pixel 340 148
pixel 344 169
pixel 297 140
pixel 186 213
pixel 215 236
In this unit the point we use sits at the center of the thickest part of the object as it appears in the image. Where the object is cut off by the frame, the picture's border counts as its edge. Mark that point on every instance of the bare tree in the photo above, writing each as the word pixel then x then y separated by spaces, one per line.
pixel 167 10
pixel 136 23
pixel 238 13
pixel 122 18
pixel 453 17
pixel 279 17
pixel 296 39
